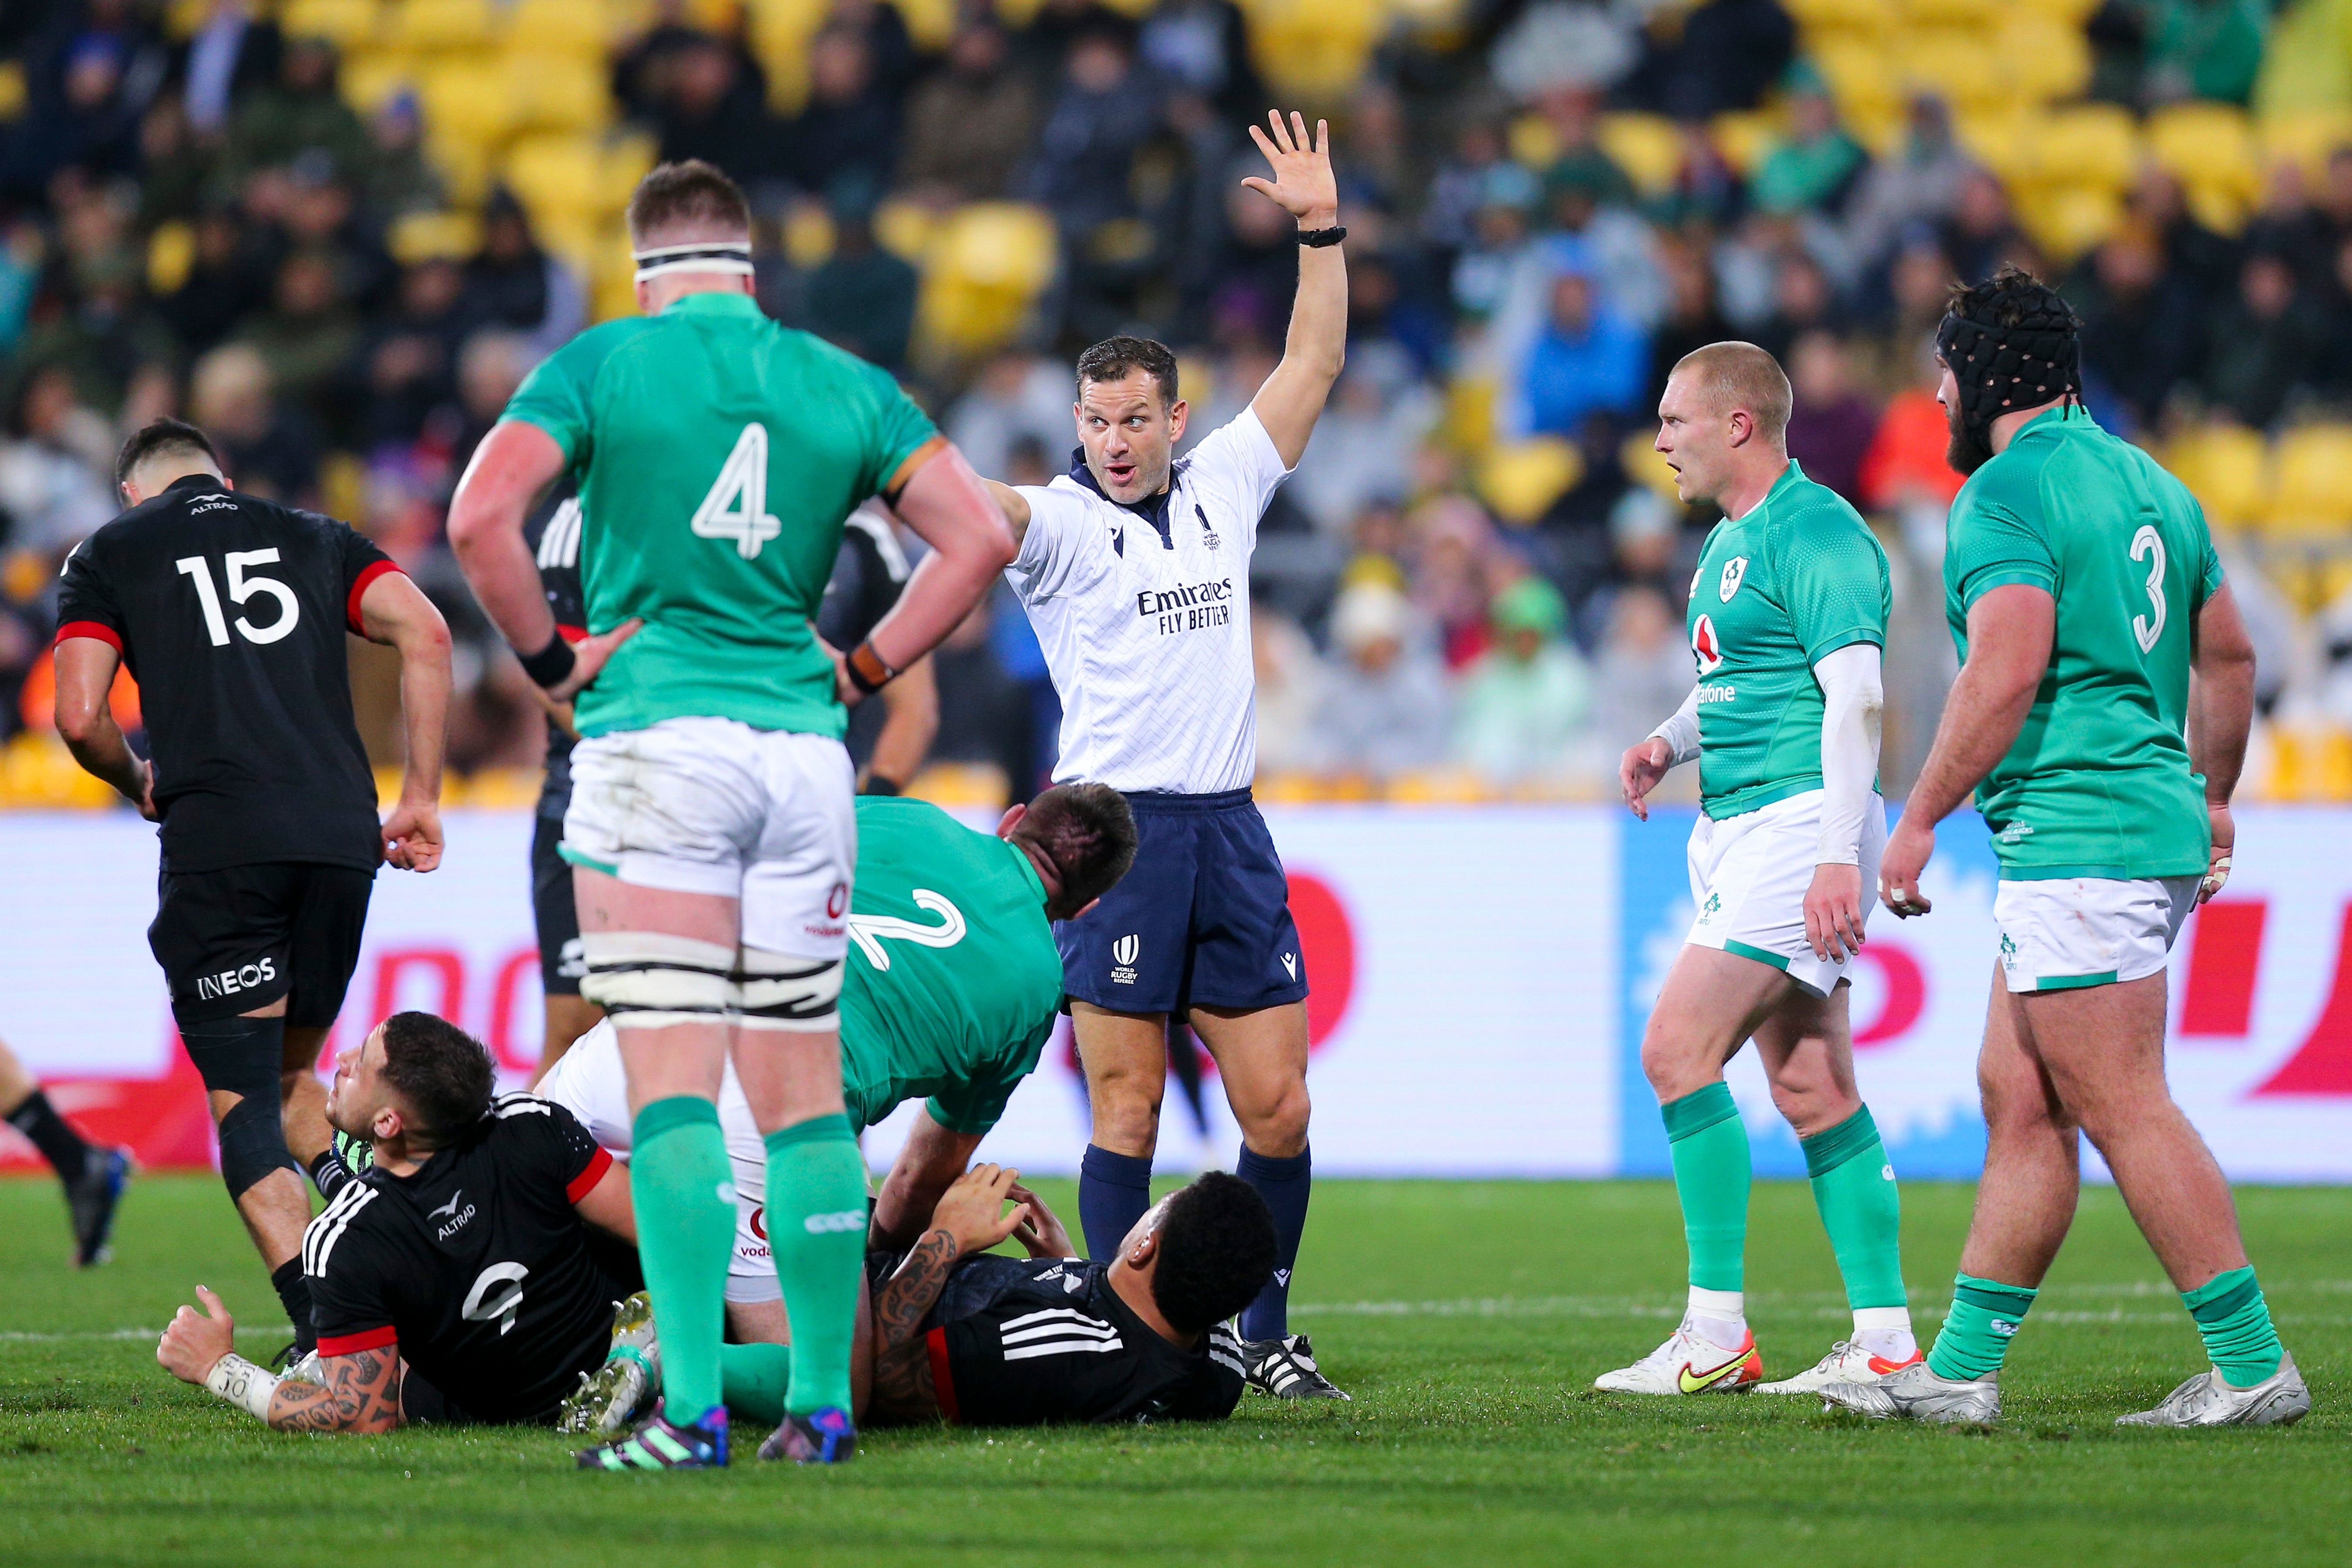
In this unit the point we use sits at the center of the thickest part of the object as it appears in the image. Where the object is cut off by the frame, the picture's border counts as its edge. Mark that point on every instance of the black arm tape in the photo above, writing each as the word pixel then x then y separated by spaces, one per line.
pixel 242 1056
pixel 550 666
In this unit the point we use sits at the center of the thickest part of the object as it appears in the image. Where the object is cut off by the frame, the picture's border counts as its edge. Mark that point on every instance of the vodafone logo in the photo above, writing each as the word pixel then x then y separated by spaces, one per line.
pixel 837 901
pixel 1705 646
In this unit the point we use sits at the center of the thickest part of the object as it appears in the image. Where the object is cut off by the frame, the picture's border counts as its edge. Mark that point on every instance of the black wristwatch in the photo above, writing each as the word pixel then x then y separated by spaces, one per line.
pixel 1317 238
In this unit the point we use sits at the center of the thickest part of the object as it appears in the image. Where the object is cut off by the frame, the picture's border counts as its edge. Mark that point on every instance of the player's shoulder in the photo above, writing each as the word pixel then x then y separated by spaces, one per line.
pixel 1240 445
pixel 905 815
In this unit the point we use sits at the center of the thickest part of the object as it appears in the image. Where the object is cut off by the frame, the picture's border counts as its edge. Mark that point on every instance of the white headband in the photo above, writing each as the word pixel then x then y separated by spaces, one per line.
pixel 702 256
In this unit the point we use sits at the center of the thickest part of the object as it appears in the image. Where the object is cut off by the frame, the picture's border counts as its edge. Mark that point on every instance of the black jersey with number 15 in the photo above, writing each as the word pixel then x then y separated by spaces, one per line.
pixel 230 612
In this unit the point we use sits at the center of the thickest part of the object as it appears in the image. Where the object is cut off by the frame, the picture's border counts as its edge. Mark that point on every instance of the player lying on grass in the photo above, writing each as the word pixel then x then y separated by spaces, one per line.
pixel 989 1341
pixel 459 1263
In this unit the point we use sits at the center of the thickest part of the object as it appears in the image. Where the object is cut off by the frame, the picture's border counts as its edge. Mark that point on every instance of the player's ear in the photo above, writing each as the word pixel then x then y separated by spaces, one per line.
pixel 1144 1252
pixel 1010 820
pixel 1177 415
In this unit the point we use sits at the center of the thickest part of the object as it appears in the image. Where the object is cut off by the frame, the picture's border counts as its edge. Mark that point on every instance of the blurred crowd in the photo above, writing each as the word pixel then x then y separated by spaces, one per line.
pixel 1476 581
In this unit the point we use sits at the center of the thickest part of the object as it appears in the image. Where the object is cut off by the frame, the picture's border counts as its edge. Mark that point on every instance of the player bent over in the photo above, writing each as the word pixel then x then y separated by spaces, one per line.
pixel 1788 616
pixel 711 831
pixel 451 1281
pixel 986 1341
pixel 2080 586
pixel 229 611
pixel 1135 569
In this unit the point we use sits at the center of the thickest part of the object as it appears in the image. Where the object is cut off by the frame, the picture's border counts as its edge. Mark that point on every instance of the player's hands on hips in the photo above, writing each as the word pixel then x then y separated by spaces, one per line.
pixel 1041 1231
pixel 411 838
pixel 843 687
pixel 2225 839
pixel 1909 848
pixel 588 657
pixel 1303 184
pixel 972 1210
pixel 198 1339
pixel 1833 911
pixel 1640 769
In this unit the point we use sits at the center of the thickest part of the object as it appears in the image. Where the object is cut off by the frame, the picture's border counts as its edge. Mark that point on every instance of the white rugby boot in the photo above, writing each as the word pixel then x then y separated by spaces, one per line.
pixel 1915 1393
pixel 1846 1363
pixel 1689 1362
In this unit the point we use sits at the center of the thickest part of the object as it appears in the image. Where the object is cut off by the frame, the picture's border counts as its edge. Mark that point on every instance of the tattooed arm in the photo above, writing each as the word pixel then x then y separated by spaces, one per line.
pixel 968 1218
pixel 357 1393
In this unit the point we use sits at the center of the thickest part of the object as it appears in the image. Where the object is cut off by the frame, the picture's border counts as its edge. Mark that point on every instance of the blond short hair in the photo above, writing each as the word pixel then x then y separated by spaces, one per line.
pixel 1738 375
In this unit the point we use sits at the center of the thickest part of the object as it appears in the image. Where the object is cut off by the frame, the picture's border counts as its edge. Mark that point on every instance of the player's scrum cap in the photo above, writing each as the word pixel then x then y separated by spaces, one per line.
pixel 699 256
pixel 2004 367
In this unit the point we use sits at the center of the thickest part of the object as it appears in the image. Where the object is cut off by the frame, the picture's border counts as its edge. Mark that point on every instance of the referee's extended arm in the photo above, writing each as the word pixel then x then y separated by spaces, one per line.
pixel 1303 186
pixel 85 675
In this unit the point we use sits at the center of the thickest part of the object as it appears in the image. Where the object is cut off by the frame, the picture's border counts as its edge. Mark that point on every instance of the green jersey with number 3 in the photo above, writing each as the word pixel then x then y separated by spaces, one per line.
pixel 717 455
pixel 2098 781
pixel 954 981
pixel 1778 589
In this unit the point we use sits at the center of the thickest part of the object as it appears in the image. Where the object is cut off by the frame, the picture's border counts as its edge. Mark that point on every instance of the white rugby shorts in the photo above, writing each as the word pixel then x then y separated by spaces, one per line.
pixel 711 805
pixel 1750 874
pixel 588 1082
pixel 2068 932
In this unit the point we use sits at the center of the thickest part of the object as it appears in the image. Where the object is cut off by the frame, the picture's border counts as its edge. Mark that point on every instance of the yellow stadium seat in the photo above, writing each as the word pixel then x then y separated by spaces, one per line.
pixel 1744 137
pixel 1959 14
pixel 441 26
pixel 2313 495
pixel 558 92
pixel 984 266
pixel 558 176
pixel 1648 147
pixel 560 27
pixel 466 106
pixel 2047 59
pixel 170 254
pixel 2306 139
pixel 2211 146
pixel 906 230
pixel 2002 140
pixel 1817 16
pixel 628 158
pixel 2227 468
pixel 1960 64
pixel 2094 144
pixel 1859 74
pixel 1533 141
pixel 423 236
pixel 1520 479
pixel 1468 425
pixel 1314 49
pixel 346 23
pixel 2067 220
pixel 808 239
pixel 1646 465
pixel 930 23
pixel 368 80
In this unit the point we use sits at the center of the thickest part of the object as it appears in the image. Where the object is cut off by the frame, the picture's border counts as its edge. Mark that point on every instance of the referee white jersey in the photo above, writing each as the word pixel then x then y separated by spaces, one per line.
pixel 1144 615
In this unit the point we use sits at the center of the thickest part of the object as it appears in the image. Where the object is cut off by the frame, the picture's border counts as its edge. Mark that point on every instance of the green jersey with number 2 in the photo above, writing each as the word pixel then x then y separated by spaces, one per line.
pixel 954 981
pixel 2098 781
pixel 1778 589
pixel 717 455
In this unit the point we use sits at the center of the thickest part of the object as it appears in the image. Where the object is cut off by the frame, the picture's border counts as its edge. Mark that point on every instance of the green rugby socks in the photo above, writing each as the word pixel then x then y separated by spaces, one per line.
pixel 816 1227
pixel 757 1377
pixel 1708 1144
pixel 2235 1323
pixel 1976 1334
pixel 683 1191
pixel 1861 1209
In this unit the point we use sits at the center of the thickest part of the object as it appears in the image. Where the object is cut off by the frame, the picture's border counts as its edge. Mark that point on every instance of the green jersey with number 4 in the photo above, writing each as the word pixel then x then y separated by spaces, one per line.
pixel 2098 781
pixel 717 455
pixel 1778 589
pixel 953 980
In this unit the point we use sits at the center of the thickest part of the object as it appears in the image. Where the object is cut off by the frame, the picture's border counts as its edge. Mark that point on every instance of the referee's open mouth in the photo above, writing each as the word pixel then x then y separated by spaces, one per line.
pixel 1119 474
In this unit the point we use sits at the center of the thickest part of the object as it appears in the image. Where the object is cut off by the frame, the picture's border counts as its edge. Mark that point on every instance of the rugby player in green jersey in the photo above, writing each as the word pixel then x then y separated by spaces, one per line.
pixel 1788 616
pixel 2106 688
pixel 711 831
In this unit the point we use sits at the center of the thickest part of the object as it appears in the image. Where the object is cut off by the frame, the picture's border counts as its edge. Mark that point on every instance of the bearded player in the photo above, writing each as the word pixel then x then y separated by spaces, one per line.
pixel 710 829
pixel 2082 588
pixel 1788 616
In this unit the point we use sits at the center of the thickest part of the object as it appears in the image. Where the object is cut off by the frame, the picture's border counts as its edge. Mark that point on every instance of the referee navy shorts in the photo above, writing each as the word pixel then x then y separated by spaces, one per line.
pixel 1202 920
pixel 234 941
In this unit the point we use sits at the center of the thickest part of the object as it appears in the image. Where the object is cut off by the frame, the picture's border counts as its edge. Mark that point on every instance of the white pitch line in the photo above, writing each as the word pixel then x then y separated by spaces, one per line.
pixel 27 1337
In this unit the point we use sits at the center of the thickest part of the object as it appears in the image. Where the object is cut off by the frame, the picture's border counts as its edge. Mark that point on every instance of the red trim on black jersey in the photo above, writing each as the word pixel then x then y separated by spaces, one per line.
pixel 98 629
pixel 571 633
pixel 942 1380
pixel 368 573
pixel 365 1340
pixel 585 1181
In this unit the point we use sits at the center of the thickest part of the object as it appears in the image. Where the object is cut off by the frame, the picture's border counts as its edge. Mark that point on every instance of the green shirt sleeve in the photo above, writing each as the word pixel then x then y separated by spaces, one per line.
pixel 2209 579
pixel 1834 584
pixel 896 425
pixel 555 395
pixel 977 1105
pixel 1996 546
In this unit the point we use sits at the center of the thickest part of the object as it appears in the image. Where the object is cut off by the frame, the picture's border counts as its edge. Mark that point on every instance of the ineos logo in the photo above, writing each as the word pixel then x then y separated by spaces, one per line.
pixel 229 981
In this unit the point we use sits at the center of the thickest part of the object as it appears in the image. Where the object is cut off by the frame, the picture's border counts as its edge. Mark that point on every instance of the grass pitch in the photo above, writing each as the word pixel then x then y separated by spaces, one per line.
pixel 1468 1320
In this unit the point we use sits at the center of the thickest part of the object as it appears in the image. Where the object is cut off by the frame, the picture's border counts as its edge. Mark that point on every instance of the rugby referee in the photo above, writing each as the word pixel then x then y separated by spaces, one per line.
pixel 229 611
pixel 1135 570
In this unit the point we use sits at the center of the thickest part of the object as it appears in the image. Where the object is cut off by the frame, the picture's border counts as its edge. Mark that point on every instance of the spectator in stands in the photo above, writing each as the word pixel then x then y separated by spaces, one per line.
pixel 1804 300
pixel 1454 567
pixel 398 176
pixel 1981 231
pixel 2203 48
pixel 510 282
pixel 848 132
pixel 1109 108
pixel 2262 346
pixel 301 113
pixel 1525 702
pixel 1363 445
pixel 89 76
pixel 2140 323
pixel 103 332
pixel 969 125
pixel 880 28
pixel 862 298
pixel 227 281
pixel 1920 183
pixel 1202 47
pixel 266 449
pixel 706 100
pixel 1692 319
pixel 307 336
pixel 1496 246
pixel 2207 260
pixel 175 169
pixel 1019 394
pixel 1716 56
pixel 1460 186
pixel 1589 359
pixel 408 358
pixel 490 367
pixel 1385 707
pixel 1815 165
pixel 1829 422
pixel 1904 469
pixel 233 54
pixel 1645 660
pixel 53 484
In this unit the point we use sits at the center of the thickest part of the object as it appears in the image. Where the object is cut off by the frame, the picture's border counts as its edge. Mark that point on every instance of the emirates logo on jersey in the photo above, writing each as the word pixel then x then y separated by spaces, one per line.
pixel 1705 646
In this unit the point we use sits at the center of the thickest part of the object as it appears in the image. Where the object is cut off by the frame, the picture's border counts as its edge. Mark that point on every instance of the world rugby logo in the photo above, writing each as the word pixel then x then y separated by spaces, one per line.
pixel 1733 571
pixel 1705 644
pixel 1123 950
